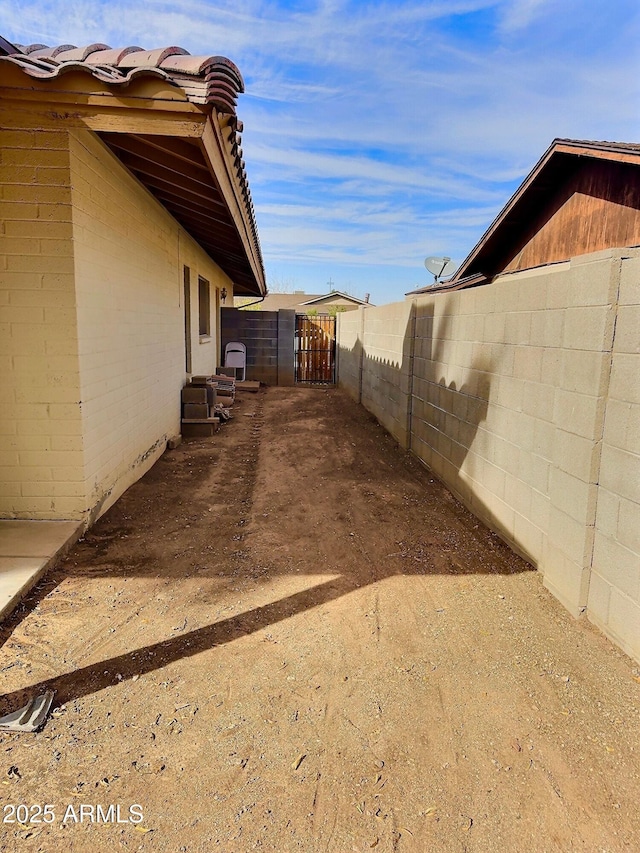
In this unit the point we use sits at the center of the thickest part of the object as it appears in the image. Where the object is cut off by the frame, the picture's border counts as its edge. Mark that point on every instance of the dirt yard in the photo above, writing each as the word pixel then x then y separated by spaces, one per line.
pixel 289 637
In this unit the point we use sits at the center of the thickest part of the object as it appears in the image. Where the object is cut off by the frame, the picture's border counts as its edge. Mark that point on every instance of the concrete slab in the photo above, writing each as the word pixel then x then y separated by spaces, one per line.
pixel 27 550
pixel 17 575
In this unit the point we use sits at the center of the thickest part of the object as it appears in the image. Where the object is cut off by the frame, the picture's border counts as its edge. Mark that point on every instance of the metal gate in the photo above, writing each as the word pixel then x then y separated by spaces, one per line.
pixel 315 348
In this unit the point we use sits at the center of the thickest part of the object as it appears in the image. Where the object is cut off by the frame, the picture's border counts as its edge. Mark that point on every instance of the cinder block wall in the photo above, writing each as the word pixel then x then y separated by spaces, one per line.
pixel 507 402
pixel 349 334
pixel 41 459
pixel 286 336
pixel 387 368
pixel 269 347
pixel 614 591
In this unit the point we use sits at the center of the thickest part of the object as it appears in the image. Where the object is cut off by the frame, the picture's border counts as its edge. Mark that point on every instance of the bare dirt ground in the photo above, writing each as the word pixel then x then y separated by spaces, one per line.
pixel 289 637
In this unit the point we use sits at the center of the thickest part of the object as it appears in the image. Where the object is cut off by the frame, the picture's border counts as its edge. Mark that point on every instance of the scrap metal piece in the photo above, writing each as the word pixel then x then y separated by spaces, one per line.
pixel 30 718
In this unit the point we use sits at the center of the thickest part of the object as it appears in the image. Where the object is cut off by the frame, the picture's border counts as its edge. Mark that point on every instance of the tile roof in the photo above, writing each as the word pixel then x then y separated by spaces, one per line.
pixel 206 80
pixel 175 170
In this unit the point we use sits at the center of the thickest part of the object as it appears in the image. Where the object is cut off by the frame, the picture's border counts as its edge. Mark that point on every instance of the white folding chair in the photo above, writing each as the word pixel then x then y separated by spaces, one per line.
pixel 235 355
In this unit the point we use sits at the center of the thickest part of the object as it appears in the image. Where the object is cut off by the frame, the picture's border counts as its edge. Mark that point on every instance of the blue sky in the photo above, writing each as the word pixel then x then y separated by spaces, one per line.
pixel 377 133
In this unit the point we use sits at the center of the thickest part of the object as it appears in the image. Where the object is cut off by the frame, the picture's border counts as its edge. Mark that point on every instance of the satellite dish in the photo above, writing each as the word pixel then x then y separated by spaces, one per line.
pixel 440 267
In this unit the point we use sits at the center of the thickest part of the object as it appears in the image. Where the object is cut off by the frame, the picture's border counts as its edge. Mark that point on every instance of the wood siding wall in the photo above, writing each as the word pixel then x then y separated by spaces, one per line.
pixel 597 208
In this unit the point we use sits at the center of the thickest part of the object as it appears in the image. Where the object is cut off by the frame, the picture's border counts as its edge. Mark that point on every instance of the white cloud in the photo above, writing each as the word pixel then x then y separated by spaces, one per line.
pixel 380 132
pixel 518 14
pixel 299 164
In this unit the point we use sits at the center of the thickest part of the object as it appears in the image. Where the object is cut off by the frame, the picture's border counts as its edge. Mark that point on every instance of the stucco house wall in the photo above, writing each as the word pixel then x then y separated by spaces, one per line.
pixel 94 347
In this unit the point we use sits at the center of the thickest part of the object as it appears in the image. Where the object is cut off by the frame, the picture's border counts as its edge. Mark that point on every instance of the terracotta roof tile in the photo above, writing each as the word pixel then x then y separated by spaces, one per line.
pixel 196 64
pixel 150 58
pixel 45 68
pixel 206 80
pixel 79 54
pixel 110 55
pixel 213 82
pixel 46 52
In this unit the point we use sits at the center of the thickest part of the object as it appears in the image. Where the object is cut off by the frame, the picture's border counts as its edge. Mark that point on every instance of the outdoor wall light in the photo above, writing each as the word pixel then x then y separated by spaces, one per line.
pixel 223 295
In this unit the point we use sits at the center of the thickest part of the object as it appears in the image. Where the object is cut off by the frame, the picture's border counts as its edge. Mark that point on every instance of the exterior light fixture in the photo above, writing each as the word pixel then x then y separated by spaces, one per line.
pixel 223 295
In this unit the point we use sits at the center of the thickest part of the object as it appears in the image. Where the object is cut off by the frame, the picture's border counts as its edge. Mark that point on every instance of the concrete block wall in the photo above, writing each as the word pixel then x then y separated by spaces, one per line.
pixel 512 385
pixel 614 590
pixel 349 334
pixel 268 336
pixel 387 368
pixel 459 423
pixel 41 459
pixel 286 335
pixel 581 378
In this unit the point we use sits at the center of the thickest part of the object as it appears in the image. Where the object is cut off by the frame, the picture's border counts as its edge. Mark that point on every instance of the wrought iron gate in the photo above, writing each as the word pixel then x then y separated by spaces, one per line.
pixel 315 348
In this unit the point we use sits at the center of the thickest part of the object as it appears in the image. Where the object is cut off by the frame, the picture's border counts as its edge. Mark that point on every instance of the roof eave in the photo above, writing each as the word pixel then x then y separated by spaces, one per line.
pixel 453 284
pixel 151 105
pixel 579 148
pixel 227 170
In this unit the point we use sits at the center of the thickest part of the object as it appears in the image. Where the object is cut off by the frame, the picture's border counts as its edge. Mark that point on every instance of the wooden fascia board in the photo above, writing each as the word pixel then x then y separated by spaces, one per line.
pixel 141 108
pixel 214 149
pixel 599 153
pixel 17 114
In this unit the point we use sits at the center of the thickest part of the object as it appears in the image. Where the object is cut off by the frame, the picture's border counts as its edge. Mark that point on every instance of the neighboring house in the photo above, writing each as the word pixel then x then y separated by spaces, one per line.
pixel 581 197
pixel 304 303
pixel 127 221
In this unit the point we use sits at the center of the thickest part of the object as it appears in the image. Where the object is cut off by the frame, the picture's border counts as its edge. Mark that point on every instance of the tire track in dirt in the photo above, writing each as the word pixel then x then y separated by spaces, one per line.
pixel 320 651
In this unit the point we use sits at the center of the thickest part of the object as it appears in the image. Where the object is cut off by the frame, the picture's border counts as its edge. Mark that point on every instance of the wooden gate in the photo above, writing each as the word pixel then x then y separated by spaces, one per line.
pixel 315 348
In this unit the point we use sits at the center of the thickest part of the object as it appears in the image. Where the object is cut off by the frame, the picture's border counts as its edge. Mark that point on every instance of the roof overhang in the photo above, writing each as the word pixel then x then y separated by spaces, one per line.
pixel 560 160
pixel 186 154
pixel 448 286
